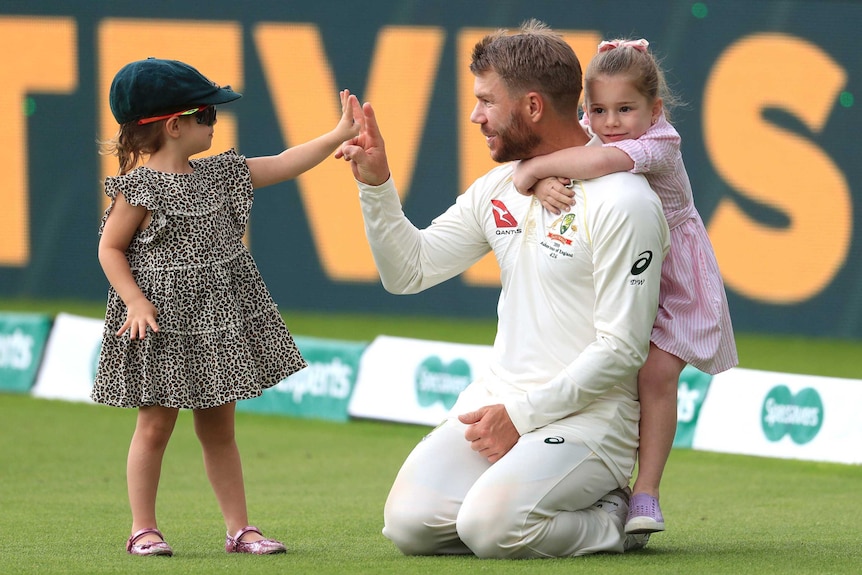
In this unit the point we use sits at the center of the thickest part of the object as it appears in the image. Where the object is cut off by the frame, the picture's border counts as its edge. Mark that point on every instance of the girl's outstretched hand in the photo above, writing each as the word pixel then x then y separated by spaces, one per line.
pixel 348 126
pixel 141 314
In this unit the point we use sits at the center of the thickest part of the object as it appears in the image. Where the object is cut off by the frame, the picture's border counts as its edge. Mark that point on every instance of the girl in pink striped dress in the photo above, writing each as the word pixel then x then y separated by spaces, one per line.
pixel 625 100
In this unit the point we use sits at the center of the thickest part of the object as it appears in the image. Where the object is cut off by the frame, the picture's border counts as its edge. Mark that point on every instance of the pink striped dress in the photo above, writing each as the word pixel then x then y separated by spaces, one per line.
pixel 693 321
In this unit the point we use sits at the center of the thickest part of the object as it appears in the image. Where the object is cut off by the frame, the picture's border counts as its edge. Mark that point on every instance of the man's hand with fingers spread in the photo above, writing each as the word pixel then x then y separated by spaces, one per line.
pixel 366 152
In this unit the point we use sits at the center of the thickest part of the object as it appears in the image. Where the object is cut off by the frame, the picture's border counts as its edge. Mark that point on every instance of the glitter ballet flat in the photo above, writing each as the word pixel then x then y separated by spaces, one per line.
pixel 259 547
pixel 148 547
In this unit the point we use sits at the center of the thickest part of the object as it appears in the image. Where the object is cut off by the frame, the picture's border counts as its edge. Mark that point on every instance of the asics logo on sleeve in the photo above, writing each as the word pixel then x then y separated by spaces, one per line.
pixel 642 263
pixel 502 215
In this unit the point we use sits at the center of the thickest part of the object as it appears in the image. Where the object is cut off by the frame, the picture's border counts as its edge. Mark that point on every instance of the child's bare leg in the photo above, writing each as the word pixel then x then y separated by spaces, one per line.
pixel 144 465
pixel 657 385
pixel 215 430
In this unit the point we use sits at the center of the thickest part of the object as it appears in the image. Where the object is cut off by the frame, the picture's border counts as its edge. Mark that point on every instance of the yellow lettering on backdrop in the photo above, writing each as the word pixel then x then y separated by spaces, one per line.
pixel 474 156
pixel 42 56
pixel 214 48
pixel 402 73
pixel 777 168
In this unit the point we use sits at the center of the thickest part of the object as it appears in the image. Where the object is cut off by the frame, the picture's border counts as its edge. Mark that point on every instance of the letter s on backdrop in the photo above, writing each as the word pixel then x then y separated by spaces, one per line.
pixel 776 168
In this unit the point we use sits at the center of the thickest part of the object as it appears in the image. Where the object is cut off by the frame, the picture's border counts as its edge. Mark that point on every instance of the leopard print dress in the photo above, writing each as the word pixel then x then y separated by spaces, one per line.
pixel 221 337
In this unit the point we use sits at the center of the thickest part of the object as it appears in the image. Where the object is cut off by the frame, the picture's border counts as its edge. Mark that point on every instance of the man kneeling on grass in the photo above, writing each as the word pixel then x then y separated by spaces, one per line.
pixel 536 456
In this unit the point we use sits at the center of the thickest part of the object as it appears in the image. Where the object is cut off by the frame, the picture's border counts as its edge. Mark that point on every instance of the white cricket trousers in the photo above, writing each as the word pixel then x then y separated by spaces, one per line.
pixel 534 502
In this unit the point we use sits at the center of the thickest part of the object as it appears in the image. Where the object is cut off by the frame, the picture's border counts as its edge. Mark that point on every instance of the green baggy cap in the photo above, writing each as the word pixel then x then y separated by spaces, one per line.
pixel 154 87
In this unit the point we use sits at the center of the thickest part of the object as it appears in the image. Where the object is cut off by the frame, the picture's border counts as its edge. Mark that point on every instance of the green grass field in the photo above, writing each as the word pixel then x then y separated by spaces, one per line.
pixel 320 486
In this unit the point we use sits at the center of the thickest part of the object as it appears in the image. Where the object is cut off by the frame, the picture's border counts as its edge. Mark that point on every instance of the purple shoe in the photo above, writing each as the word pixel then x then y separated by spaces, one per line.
pixel 644 515
pixel 259 547
pixel 148 547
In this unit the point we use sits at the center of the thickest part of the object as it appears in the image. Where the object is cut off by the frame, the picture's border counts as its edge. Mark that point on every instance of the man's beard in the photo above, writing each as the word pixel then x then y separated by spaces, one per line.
pixel 517 140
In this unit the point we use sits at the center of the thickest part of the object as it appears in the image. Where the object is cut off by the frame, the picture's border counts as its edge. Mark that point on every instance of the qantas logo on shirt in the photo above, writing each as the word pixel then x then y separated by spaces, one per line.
pixel 502 215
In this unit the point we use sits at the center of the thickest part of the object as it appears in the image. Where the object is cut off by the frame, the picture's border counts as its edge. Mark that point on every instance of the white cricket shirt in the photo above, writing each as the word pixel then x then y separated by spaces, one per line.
pixel 578 300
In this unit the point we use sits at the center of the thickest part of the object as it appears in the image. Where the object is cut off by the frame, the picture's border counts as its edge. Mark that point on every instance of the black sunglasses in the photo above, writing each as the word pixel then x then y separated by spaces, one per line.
pixel 205 115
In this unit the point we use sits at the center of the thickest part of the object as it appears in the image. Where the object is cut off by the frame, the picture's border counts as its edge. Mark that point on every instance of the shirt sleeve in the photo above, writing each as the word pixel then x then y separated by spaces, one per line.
pixel 410 260
pixel 657 151
pixel 139 190
pixel 241 190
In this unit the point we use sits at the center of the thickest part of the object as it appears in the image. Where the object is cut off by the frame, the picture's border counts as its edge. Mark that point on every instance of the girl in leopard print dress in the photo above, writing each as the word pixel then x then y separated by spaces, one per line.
pixel 190 323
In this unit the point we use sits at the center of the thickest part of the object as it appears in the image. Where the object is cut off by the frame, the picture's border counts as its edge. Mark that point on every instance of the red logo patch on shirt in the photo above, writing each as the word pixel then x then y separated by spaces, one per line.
pixel 502 215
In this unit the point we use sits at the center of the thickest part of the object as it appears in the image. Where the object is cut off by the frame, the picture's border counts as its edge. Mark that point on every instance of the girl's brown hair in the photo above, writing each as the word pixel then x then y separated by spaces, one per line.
pixel 641 67
pixel 132 144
